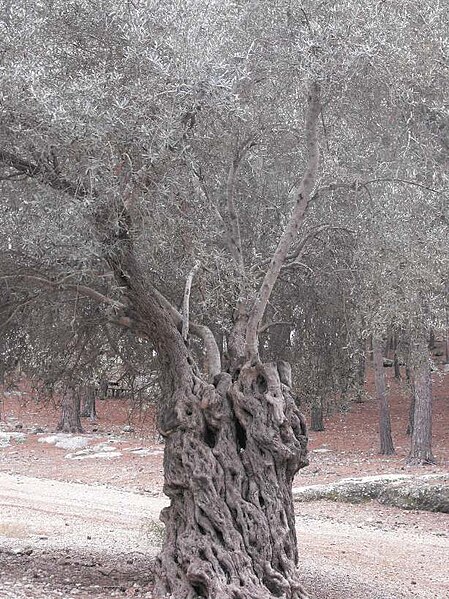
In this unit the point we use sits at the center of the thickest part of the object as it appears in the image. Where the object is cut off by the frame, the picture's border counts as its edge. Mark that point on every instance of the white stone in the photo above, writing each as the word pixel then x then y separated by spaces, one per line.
pixel 66 441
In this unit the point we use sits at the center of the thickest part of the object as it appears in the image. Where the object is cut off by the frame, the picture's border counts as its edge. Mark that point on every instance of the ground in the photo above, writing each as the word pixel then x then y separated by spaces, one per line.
pixel 79 514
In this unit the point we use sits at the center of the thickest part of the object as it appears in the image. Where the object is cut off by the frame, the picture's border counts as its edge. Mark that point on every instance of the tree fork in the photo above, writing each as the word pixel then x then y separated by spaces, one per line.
pixel 301 195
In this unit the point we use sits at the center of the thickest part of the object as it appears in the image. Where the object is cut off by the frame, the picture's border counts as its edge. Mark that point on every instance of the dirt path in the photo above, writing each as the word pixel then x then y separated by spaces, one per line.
pixel 60 539
pixel 373 551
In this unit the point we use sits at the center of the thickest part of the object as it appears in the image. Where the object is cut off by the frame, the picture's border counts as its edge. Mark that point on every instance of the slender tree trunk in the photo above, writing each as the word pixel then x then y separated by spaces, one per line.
pixel 386 440
pixel 446 336
pixel 397 369
pixel 411 410
pixel 360 377
pixel 432 344
pixel 421 438
pixel 70 413
pixel 316 415
pixel 89 407
pixel 278 342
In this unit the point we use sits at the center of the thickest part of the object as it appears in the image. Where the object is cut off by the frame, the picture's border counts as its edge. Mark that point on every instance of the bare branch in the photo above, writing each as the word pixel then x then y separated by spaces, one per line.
pixel 186 300
pixel 356 185
pixel 296 264
pixel 17 308
pixel 301 196
pixel 213 359
pixel 405 182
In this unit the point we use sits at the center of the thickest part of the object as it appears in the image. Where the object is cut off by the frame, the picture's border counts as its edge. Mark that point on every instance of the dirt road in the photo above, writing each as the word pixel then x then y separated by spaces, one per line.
pixel 60 539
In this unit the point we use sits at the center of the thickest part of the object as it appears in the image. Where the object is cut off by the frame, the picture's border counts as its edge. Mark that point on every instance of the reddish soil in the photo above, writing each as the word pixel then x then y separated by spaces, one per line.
pixel 352 438
pixel 348 446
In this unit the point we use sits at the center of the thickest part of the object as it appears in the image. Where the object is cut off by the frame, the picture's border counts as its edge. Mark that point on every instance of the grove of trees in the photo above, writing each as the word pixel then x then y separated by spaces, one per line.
pixel 232 196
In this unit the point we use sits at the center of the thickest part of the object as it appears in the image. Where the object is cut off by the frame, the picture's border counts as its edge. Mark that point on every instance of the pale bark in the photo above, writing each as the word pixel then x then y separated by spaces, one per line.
pixel 186 301
pixel 213 357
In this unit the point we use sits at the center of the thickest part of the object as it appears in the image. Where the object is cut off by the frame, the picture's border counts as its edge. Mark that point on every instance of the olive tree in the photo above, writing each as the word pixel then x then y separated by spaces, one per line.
pixel 161 159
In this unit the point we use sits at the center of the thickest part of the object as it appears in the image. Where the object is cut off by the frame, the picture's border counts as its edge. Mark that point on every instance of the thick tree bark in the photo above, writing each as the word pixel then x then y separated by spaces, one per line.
pixel 229 466
pixel 70 413
pixel 421 441
pixel 89 407
pixel 386 440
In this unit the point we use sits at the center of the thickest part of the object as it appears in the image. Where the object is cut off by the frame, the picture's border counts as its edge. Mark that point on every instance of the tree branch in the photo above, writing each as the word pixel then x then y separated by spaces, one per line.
pixel 301 196
pixel 38 171
pixel 60 286
pixel 213 359
pixel 186 300
pixel 59 183
pixel 234 236
pixel 17 308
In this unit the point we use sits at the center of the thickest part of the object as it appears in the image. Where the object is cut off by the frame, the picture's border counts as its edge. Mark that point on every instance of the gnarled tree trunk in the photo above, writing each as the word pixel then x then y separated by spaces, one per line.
pixel 229 467
pixel 232 449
